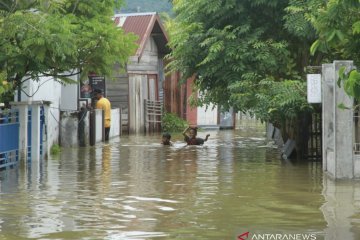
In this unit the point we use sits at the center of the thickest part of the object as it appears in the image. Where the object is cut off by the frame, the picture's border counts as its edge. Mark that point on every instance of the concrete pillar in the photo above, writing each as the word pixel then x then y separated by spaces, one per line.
pixel 99 125
pixel 337 123
pixel 46 144
pixel 35 133
pixel 344 165
pixel 328 136
pixel 23 122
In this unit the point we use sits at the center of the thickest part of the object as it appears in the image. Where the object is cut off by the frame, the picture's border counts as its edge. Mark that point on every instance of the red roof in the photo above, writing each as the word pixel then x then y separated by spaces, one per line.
pixel 144 25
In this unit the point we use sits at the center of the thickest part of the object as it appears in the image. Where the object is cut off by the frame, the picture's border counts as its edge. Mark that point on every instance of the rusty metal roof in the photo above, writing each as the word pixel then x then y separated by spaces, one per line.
pixel 144 25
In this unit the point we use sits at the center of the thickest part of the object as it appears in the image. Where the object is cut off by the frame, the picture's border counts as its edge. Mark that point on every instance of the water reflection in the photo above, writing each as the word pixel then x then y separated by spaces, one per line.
pixel 341 209
pixel 135 188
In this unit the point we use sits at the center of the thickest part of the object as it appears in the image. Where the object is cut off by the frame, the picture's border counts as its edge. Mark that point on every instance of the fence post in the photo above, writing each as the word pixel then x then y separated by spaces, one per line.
pixel 92 128
pixel 120 121
pixel 103 125
pixel 337 124
pixel 35 133
pixel 22 107
pixel 343 128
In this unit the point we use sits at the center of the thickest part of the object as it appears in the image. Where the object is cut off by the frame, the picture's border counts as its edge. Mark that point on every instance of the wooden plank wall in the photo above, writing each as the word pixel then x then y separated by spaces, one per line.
pixel 138 87
pixel 117 91
pixel 138 84
pixel 175 96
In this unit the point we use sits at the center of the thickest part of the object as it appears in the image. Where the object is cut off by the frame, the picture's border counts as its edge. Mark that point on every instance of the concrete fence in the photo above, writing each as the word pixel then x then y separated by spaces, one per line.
pixel 32 120
pixel 86 127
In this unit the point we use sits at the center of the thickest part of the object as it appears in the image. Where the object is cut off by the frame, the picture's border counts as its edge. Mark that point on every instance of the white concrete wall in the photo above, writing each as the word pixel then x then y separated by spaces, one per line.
pixel 115 123
pixel 99 125
pixel 64 98
pixel 61 97
pixel 47 89
pixel 69 130
pixel 227 119
pixel 207 117
pixel 69 97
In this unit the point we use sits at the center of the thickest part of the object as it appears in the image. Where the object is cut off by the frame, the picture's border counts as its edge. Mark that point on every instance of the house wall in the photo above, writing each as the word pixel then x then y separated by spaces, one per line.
pixel 207 116
pixel 175 95
pixel 148 62
pixel 69 97
pixel 138 89
pixel 191 112
pixel 117 90
pixel 129 90
pixel 140 70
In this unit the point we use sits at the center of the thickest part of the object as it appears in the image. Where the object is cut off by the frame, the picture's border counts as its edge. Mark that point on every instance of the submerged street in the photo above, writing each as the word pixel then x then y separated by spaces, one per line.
pixel 135 188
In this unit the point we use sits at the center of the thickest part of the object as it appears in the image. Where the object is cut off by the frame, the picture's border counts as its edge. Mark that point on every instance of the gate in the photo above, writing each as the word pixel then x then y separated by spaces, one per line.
pixel 153 114
pixel 314 146
pixel 9 145
pixel 29 135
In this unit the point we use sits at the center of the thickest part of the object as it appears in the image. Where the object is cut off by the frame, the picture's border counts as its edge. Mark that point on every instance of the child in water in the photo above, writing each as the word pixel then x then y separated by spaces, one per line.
pixel 166 139
pixel 191 138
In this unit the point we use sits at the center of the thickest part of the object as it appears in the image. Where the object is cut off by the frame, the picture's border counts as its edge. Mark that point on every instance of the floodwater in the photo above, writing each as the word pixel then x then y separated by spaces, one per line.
pixel 135 188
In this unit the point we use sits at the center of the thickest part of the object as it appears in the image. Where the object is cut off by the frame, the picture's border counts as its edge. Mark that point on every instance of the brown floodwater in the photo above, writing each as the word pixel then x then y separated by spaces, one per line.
pixel 135 188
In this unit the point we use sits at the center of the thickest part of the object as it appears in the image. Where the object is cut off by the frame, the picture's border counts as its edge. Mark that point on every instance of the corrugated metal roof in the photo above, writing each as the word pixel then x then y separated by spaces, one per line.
pixel 143 25
pixel 138 25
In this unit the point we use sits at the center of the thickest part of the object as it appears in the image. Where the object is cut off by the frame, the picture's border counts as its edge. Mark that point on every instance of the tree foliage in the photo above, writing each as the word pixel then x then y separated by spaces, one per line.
pixel 51 38
pixel 340 35
pixel 248 54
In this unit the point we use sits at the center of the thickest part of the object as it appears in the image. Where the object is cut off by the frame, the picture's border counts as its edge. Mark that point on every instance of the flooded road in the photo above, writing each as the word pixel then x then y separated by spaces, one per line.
pixel 135 188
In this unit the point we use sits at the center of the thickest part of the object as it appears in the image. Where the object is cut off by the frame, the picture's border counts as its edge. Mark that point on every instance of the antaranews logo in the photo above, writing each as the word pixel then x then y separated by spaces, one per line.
pixel 243 236
pixel 276 236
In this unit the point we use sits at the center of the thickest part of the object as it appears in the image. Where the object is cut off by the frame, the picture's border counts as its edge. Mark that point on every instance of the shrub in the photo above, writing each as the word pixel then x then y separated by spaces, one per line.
pixel 172 123
pixel 55 149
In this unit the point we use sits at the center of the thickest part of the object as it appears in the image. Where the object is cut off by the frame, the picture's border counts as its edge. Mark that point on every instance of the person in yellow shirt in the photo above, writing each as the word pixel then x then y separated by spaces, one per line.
pixel 104 104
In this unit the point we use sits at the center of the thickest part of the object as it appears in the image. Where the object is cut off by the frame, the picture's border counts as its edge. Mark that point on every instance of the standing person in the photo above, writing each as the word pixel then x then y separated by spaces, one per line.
pixel 104 104
pixel 191 138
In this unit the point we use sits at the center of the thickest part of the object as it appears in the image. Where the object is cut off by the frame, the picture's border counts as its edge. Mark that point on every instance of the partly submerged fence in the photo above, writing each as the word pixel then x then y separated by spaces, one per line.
pixel 21 133
pixel 245 121
pixel 9 138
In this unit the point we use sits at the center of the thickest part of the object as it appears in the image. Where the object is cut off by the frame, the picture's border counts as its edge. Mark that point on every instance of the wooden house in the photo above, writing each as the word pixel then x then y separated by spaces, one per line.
pixel 144 75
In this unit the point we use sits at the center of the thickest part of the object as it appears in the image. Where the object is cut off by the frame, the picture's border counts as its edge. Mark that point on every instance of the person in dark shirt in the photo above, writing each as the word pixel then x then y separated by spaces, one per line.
pixel 190 138
pixel 166 137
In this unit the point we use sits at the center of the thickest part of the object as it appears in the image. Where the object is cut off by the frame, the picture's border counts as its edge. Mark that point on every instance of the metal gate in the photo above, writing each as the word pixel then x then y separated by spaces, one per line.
pixel 9 139
pixel 29 135
pixel 314 146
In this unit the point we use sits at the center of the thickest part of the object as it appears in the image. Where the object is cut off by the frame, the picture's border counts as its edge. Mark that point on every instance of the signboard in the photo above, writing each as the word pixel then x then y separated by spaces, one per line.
pixel 314 88
pixel 98 82
pixel 88 86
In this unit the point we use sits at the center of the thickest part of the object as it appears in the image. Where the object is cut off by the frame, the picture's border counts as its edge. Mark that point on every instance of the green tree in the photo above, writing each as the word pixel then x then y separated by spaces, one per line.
pixel 247 54
pixel 339 37
pixel 60 39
